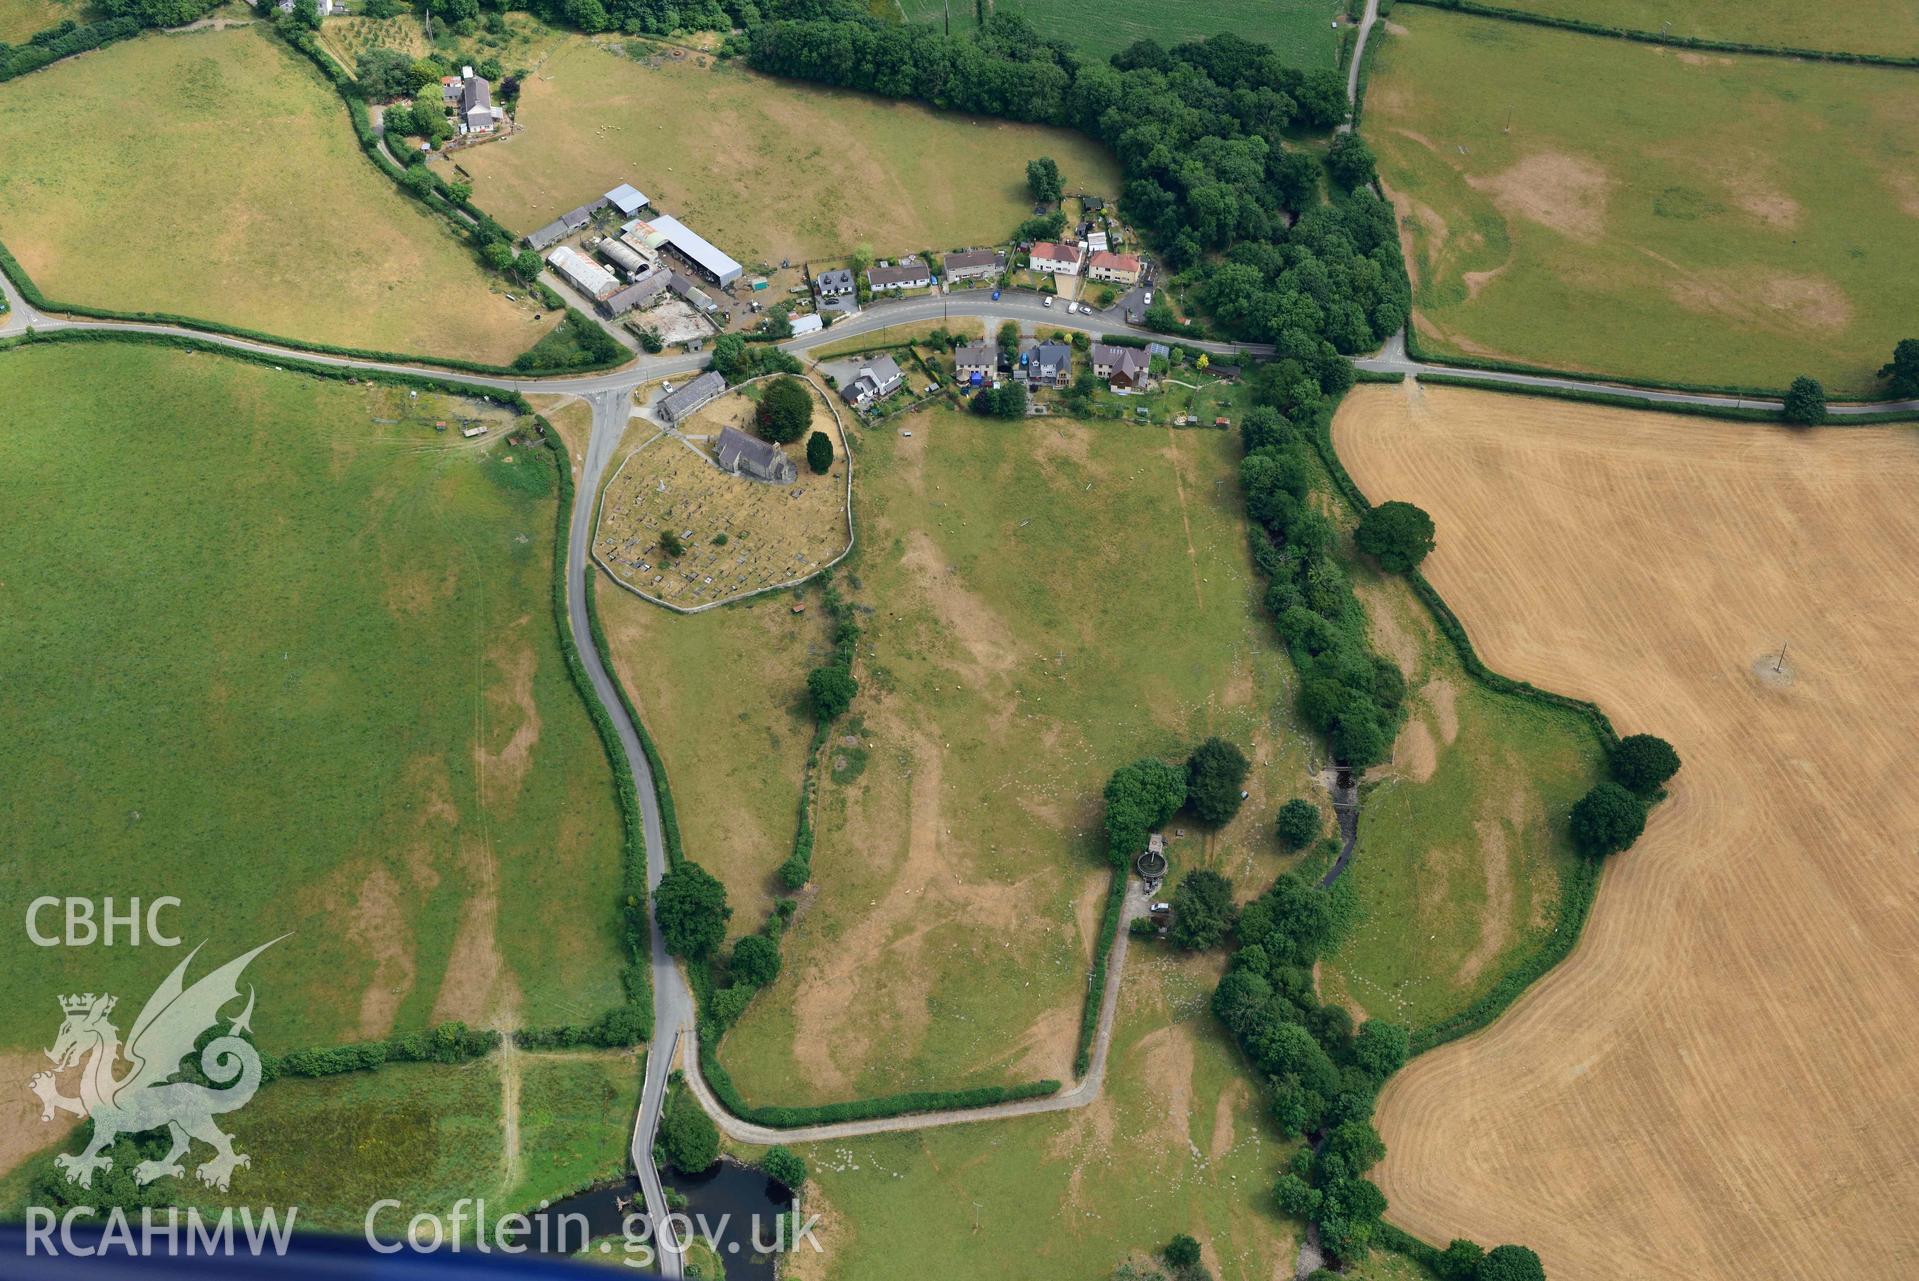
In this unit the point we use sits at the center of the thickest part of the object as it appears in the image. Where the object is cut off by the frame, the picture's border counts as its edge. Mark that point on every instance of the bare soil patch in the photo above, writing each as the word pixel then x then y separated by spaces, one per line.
pixel 1723 1062
pixel 1556 189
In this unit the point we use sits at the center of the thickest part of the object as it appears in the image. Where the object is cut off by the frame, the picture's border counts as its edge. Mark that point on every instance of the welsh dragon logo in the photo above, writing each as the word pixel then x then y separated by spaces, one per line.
pixel 143 1099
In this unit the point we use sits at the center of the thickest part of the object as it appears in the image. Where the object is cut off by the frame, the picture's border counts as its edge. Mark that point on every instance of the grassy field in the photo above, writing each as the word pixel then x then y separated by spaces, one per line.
pixel 278 648
pixel 1016 652
pixel 1301 30
pixel 761 167
pixel 1739 995
pixel 19 19
pixel 1879 26
pixel 575 1121
pixel 1178 1142
pixel 724 695
pixel 1721 220
pixel 236 193
pixel 1462 838
pixel 740 535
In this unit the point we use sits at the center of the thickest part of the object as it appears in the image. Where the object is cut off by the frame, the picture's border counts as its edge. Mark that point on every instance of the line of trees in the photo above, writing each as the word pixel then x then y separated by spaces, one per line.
pixel 1356 698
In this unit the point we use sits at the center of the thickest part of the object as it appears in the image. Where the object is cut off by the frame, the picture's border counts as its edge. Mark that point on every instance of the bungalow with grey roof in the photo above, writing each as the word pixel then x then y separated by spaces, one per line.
pixel 906 274
pixel 835 282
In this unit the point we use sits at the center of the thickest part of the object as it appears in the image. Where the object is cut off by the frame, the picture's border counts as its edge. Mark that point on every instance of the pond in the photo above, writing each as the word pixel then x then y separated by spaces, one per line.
pixel 733 1207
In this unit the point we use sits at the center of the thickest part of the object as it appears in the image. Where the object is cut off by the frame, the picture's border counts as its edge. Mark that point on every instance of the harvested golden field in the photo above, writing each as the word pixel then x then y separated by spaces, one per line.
pixel 235 193
pixel 1718 1080
pixel 766 169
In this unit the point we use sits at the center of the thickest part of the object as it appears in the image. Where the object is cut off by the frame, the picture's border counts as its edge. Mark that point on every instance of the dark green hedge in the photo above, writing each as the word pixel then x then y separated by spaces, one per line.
pixel 1109 925
pixel 446 1043
pixel 1629 400
pixel 18 60
pixel 1623 380
pixel 1678 42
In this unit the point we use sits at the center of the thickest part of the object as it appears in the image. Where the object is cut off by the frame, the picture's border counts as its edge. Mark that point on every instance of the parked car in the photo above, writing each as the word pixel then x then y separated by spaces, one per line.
pixel 1047 301
pixel 1149 297
pixel 996 295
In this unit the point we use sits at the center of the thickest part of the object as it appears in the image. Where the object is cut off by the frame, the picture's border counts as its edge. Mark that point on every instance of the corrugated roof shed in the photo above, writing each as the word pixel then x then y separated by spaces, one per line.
pixel 627 198
pixel 583 273
pixel 697 250
pixel 621 255
pixel 807 324
pixel 552 233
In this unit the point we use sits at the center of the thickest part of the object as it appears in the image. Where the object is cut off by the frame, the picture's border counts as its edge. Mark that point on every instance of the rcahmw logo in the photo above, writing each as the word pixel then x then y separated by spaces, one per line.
pixel 146 1097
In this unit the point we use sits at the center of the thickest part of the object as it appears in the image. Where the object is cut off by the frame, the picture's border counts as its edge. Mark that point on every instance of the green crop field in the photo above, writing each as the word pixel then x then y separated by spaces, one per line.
pixel 760 166
pixel 1704 219
pixel 1047 602
pixel 1178 1142
pixel 276 647
pixel 1303 31
pixel 1875 26
pixel 235 193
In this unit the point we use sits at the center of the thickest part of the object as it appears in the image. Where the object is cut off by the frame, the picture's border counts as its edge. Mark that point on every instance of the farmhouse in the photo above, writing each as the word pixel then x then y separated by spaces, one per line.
pixel 471 99
pixel 836 282
pixel 974 361
pixel 677 405
pixel 756 459
pixel 1121 367
pixel 877 380
pixel 1049 364
pixel 1120 268
pixel 688 244
pixel 907 274
pixel 974 264
pixel 1059 259
pixel 585 275
pixel 627 198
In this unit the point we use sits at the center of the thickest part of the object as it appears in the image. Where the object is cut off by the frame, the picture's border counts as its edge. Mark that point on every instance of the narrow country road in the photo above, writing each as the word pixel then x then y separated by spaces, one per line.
pixel 878 319
pixel 1366 21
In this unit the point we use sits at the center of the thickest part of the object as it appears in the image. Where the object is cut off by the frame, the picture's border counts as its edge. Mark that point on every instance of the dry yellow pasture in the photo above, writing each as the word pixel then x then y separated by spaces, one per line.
pixel 236 193
pixel 1717 1084
pixel 766 169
